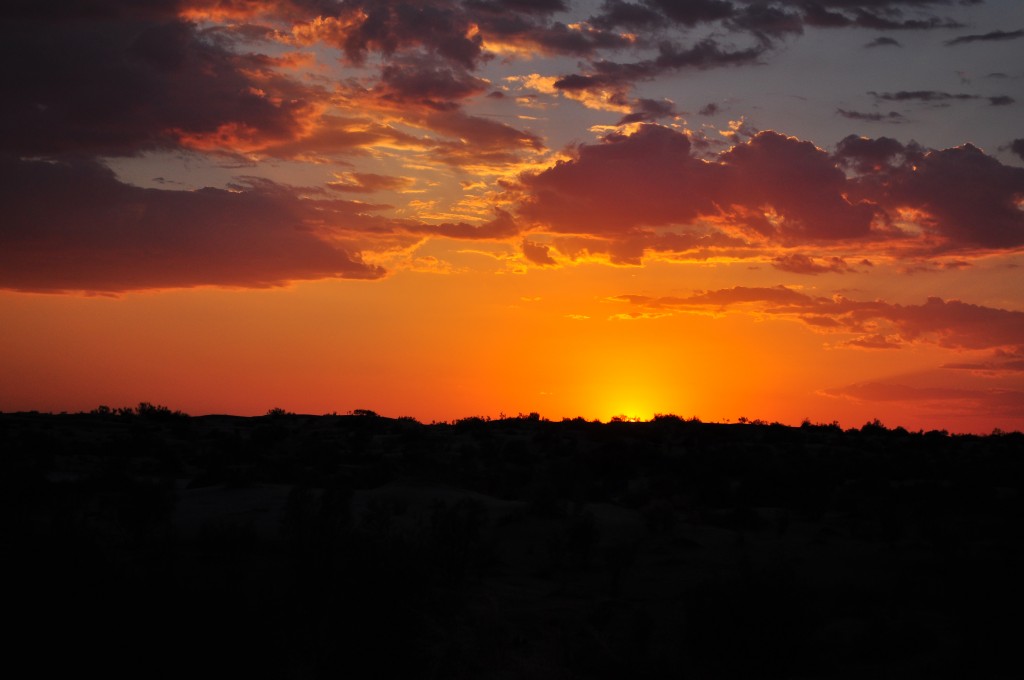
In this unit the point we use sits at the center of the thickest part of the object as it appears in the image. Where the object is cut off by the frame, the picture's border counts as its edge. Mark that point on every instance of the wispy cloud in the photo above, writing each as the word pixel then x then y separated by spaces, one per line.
pixel 986 37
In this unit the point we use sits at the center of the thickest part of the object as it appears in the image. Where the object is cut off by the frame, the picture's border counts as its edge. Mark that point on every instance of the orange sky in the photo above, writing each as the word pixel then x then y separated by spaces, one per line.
pixel 441 208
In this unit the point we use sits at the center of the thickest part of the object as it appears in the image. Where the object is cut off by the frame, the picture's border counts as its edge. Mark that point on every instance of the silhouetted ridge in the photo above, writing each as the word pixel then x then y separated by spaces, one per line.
pixel 145 542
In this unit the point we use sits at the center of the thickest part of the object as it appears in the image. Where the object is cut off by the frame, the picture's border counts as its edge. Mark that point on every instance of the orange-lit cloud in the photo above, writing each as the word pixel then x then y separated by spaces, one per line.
pixel 993 401
pixel 875 324
pixel 368 182
pixel 799 263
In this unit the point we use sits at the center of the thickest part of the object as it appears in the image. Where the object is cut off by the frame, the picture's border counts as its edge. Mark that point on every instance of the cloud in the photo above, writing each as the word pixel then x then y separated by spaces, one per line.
pixel 1000 401
pixel 501 227
pixel 136 76
pixel 920 95
pixel 884 41
pixel 798 263
pixel 629 250
pixel 800 182
pixel 335 135
pixel 368 182
pixel 128 77
pixel 629 15
pixel 649 110
pixel 73 226
pixel 876 341
pixel 1017 147
pixel 724 297
pixel 613 79
pixel 775 190
pixel 415 78
pixel 970 198
pixel 476 140
pixel 537 253
pixel 389 26
pixel 131 77
pixel 648 178
pixel 868 155
pixel 876 324
pixel 767 21
pixel 457 137
pixel 873 14
pixel 874 117
pixel 986 37
pixel 935 96
pixel 244 80
pixel 999 362
pixel 767 18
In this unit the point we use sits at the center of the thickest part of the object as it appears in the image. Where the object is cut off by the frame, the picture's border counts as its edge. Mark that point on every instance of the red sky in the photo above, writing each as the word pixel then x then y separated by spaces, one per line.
pixel 445 208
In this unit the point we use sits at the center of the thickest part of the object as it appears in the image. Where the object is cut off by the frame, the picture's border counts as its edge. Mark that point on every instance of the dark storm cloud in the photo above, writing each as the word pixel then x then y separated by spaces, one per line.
pixel 73 226
pixel 986 37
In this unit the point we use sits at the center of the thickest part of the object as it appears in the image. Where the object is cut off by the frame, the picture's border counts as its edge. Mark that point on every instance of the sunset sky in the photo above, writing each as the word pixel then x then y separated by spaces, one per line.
pixel 445 208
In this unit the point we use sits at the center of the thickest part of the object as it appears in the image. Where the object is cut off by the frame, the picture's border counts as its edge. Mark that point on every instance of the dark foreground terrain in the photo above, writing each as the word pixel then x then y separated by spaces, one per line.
pixel 146 543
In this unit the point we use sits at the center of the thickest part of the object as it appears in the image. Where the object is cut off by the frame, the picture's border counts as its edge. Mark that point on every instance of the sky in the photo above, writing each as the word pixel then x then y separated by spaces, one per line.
pixel 783 210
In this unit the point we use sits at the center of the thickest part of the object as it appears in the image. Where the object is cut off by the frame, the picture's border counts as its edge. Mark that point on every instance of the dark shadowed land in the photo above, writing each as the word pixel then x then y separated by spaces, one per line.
pixel 151 544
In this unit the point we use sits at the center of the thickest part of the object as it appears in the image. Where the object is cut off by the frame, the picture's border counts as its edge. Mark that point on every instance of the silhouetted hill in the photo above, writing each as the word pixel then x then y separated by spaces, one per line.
pixel 149 543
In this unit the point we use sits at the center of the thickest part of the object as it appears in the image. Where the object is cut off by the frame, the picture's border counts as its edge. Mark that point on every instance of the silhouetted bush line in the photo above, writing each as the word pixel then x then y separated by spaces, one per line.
pixel 508 548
